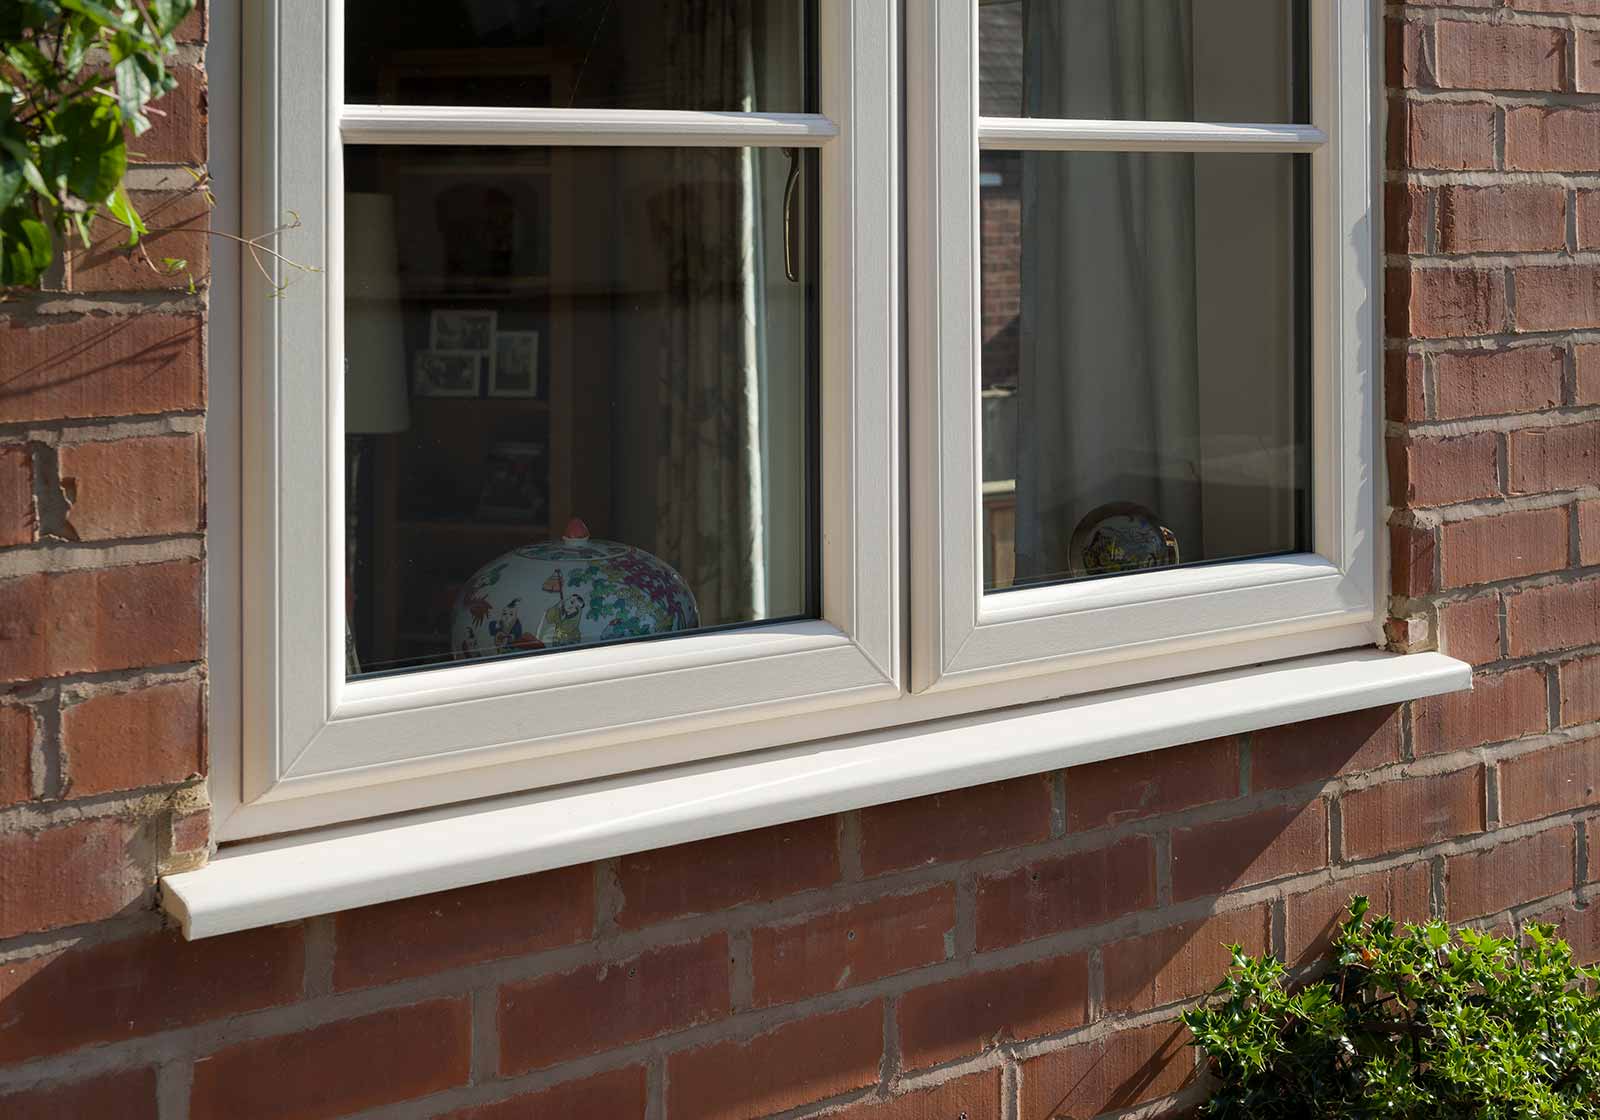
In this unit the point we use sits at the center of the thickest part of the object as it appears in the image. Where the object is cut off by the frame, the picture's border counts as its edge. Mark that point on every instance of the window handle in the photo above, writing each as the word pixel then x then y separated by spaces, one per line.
pixel 791 267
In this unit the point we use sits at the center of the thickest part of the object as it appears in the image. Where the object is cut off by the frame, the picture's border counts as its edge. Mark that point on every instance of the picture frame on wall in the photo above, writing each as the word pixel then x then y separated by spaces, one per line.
pixel 514 368
pixel 447 373
pixel 453 329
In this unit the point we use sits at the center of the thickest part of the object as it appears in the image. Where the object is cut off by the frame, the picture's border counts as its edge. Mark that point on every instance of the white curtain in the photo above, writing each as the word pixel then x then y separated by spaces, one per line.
pixel 1108 386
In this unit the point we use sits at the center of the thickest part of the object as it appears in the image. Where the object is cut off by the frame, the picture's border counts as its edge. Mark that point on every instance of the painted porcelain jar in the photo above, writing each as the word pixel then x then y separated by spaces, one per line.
pixel 569 592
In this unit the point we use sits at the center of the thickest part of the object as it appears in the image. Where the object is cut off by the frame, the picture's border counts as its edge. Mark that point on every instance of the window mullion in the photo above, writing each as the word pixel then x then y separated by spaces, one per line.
pixel 1046 135
pixel 486 125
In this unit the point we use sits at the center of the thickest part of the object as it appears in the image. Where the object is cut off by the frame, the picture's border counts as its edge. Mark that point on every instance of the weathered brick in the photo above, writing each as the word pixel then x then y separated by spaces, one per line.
pixel 1431 471
pixel 19 515
pixel 1495 879
pixel 119 990
pixel 621 1094
pixel 18 727
pixel 787 1066
pixel 322 1072
pixel 1066 892
pixel 1586 53
pixel 1550 780
pixel 1560 458
pixel 1110 1074
pixel 1496 56
pixel 854 945
pixel 82 871
pixel 1502 219
pixel 139 737
pixel 974 1097
pixel 1500 706
pixel 434 932
pixel 1410 812
pixel 1504 546
pixel 140 487
pixel 126 1095
pixel 178 133
pixel 1180 962
pixel 1470 629
pixel 1146 785
pixel 1439 302
pixel 1413 560
pixel 1406 55
pixel 1315 750
pixel 1586 362
pixel 1580 691
pixel 1497 382
pixel 1408 217
pixel 1546 138
pixel 976 1012
pixel 1441 135
pixel 100 366
pixel 729 870
pixel 956 825
pixel 600 1007
pixel 1311 918
pixel 1589 219
pixel 1560 616
pixel 1403 396
pixel 1218 855
pixel 178 221
pixel 1558 298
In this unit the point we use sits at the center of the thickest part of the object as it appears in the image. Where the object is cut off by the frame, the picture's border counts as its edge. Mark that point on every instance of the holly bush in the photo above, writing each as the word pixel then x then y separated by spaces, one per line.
pixel 76 81
pixel 1419 1023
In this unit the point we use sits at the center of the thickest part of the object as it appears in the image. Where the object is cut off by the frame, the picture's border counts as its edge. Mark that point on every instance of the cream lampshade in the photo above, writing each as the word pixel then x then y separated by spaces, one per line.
pixel 375 398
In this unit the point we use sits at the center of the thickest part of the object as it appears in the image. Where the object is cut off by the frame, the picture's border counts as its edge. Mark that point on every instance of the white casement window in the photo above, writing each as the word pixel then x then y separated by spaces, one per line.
pixel 723 413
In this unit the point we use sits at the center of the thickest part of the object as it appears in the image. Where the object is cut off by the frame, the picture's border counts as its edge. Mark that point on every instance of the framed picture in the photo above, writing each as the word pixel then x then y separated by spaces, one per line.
pixel 462 330
pixel 514 483
pixel 514 372
pixel 447 373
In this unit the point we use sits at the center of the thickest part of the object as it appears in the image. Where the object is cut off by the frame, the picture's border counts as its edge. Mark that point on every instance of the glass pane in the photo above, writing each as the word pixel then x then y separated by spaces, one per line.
pixel 1158 60
pixel 545 345
pixel 1145 382
pixel 732 55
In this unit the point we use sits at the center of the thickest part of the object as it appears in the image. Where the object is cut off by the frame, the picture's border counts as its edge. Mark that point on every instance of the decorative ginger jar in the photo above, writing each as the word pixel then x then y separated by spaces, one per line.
pixel 568 592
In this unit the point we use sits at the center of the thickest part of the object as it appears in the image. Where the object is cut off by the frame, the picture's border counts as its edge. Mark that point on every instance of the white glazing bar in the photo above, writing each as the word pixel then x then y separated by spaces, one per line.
pixel 472 125
pixel 1041 135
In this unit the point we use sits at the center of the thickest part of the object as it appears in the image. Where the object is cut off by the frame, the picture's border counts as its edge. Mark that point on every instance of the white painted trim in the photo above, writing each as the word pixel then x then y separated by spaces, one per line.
pixel 450 124
pixel 1039 135
pixel 287 879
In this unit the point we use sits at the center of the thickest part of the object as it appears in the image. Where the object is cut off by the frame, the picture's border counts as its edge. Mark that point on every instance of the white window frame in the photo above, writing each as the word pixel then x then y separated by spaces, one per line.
pixel 1167 622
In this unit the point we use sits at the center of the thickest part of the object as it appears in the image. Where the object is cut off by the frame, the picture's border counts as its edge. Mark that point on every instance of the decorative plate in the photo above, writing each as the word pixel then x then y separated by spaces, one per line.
pixel 1121 537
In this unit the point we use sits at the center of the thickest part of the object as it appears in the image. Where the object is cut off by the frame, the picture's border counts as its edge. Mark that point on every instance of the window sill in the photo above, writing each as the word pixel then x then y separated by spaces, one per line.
pixel 319 872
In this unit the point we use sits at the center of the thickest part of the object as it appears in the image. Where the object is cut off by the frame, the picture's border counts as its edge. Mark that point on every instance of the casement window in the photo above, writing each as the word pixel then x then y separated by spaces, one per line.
pixel 851 389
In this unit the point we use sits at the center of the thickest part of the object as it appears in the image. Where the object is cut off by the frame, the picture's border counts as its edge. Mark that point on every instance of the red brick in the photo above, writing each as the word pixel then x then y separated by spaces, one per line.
pixel 19 519
pixel 1406 220
pixel 1066 892
pixel 1470 629
pixel 854 945
pixel 1149 784
pixel 956 825
pixel 1180 962
pixel 1502 219
pixel 1541 138
pixel 974 1097
pixel 1442 302
pixel 981 1010
pixel 1560 616
pixel 178 134
pixel 339 1068
pixel 1283 840
pixel 1565 7
pixel 120 990
pixel 1495 879
pixel 1579 927
pixel 1558 298
pixel 178 222
pixel 1504 546
pixel 17 728
pixel 128 1095
pixel 1589 220
pixel 140 737
pixel 140 487
pixel 727 871
pixel 1589 532
pixel 1562 458
pixel 1586 51
pixel 1497 382
pixel 71 873
pixel 1402 386
pixel 618 1095
pixel 790 1065
pixel 1410 812
pixel 1316 750
pixel 1312 918
pixel 1496 56
pixel 1500 706
pixel 1110 1074
pixel 100 366
pixel 1580 691
pixel 434 932
pixel 1550 780
pixel 600 1007
pixel 1442 135
pixel 1426 471
pixel 1413 560
pixel 1406 56
pixel 92 621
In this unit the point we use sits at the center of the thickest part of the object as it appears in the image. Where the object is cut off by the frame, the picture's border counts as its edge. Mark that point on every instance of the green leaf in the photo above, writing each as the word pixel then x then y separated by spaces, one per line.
pixel 25 249
pixel 102 14
pixel 93 157
pixel 121 208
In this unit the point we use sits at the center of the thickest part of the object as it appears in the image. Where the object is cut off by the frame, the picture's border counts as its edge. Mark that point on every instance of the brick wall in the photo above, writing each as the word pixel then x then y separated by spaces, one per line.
pixel 1013 951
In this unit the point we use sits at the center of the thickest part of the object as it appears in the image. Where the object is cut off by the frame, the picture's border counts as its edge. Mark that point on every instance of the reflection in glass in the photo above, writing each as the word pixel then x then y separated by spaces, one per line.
pixel 1160 60
pixel 1144 379
pixel 745 55
pixel 578 396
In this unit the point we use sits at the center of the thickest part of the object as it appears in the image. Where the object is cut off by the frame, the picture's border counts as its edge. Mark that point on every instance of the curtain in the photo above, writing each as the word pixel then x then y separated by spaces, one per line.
pixel 709 496
pixel 1108 382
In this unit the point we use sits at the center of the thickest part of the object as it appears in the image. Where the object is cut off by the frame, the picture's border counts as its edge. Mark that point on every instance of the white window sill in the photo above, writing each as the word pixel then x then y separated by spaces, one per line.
pixel 327 870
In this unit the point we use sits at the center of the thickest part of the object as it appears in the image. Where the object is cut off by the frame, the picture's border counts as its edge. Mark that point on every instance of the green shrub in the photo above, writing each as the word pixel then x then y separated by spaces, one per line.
pixel 1415 1023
